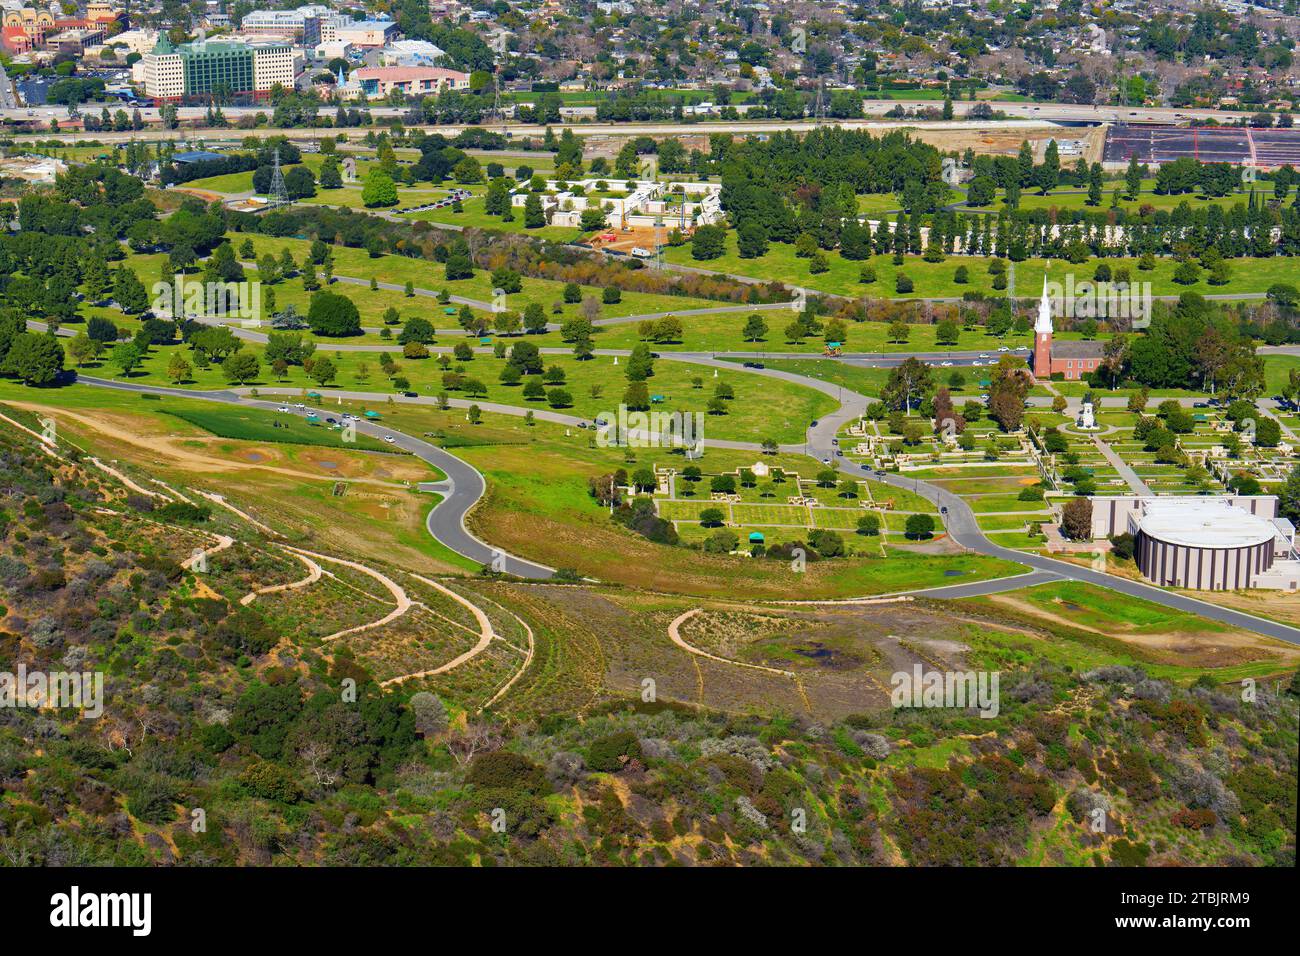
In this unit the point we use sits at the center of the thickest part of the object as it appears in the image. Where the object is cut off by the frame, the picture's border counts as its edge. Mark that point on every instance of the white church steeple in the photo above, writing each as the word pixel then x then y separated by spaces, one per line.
pixel 1043 326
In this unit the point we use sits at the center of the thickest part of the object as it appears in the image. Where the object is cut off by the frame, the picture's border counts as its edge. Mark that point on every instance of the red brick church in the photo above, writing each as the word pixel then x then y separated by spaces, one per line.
pixel 1070 359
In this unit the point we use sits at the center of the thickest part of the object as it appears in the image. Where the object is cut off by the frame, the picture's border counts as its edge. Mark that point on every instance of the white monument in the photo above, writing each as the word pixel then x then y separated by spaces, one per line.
pixel 1087 420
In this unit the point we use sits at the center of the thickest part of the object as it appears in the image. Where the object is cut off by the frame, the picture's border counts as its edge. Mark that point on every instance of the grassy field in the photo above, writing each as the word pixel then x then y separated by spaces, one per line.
pixel 249 424
pixel 935 279
pixel 473 215
pixel 1071 199
pixel 762 408
pixel 424 274
pixel 347 499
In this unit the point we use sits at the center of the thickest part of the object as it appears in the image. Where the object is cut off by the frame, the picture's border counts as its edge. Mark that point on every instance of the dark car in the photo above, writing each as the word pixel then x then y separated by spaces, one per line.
pixel 409 394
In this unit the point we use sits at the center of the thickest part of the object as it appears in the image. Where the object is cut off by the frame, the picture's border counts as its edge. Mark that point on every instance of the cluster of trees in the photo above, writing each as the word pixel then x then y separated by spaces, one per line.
pixel 262 157
pixel 1194 342
pixel 793 186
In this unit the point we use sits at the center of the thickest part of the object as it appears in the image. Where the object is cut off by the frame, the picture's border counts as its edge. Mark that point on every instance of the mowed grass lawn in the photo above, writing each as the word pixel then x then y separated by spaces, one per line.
pixel 1072 200
pixel 431 276
pixel 253 424
pixel 935 279
pixel 474 215
pixel 538 506
pixel 1094 607
pixel 243 182
pixel 763 407
pixel 1277 370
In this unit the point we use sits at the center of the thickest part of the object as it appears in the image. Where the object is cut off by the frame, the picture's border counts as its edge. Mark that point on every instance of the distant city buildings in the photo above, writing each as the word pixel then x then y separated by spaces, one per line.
pixel 25 29
pixel 171 73
pixel 303 25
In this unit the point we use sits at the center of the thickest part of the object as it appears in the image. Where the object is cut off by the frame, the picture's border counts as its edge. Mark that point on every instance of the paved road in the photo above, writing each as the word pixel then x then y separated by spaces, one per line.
pixel 964 529
pixel 446 522
pixel 1020 116
pixel 8 96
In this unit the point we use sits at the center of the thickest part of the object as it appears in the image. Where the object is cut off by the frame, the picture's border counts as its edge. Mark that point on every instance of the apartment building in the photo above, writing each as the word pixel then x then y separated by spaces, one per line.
pixel 220 67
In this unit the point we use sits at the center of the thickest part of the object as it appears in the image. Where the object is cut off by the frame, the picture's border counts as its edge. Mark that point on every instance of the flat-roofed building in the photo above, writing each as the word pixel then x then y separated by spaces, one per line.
pixel 364 33
pixel 216 67
pixel 409 80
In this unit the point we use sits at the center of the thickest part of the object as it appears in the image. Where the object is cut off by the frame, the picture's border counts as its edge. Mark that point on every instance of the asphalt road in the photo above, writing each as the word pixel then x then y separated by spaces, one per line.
pixel 446 522
pixel 466 486
pixel 1019 115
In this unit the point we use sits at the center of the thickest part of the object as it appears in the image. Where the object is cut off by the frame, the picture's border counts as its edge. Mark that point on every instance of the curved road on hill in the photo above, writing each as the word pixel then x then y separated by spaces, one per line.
pixel 446 522
pixel 465 486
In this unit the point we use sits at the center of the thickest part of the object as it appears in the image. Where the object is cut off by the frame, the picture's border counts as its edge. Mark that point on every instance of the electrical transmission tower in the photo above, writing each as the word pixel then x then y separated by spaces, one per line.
pixel 279 194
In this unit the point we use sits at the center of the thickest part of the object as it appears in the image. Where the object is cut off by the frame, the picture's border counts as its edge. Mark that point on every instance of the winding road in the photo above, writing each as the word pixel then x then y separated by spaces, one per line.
pixel 446 522
pixel 465 485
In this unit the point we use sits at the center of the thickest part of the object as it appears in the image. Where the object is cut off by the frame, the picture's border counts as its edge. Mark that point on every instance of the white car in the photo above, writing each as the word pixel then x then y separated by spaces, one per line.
pixel 945 365
pixel 390 439
pixel 984 355
pixel 300 405
pixel 283 408
pixel 1004 349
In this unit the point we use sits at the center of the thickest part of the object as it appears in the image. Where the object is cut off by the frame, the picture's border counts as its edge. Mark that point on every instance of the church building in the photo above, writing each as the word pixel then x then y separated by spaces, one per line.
pixel 1072 360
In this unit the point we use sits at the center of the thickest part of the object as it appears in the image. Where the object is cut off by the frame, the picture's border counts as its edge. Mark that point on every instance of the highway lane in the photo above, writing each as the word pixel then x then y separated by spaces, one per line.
pixel 1019 115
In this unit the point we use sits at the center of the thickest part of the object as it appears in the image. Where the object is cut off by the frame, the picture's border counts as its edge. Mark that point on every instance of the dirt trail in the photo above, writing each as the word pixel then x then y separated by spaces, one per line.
pixel 221 500
pixel 124 480
pixel 224 541
pixel 45 444
pixel 486 634
pixel 395 589
pixel 182 457
pixel 314 573
pixel 674 633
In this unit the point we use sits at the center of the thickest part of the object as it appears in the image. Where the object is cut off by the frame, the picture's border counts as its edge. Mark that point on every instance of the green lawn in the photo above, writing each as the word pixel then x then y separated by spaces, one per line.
pixel 1072 199
pixel 474 215
pixel 935 279
pixel 251 424
pixel 426 274
pixel 763 408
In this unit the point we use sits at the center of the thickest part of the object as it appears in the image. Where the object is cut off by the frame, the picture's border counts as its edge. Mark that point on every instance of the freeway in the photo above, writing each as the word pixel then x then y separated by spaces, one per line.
pixel 1018 116
pixel 8 95
pixel 1015 113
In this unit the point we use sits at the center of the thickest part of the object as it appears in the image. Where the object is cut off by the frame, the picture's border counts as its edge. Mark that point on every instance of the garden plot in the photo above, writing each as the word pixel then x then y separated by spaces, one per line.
pixel 793 504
